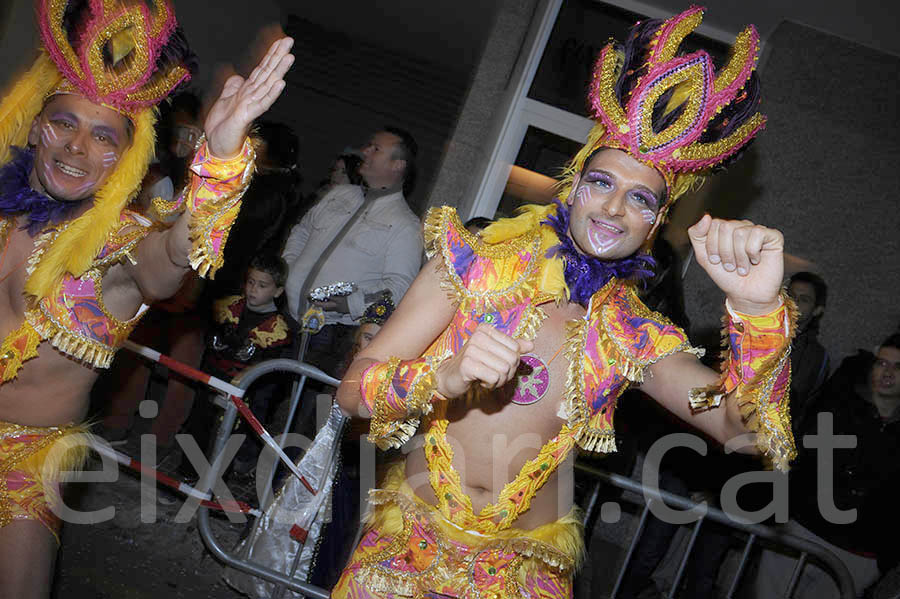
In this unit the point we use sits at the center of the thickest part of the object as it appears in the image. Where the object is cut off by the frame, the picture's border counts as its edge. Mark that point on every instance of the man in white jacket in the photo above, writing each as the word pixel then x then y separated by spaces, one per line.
pixel 380 250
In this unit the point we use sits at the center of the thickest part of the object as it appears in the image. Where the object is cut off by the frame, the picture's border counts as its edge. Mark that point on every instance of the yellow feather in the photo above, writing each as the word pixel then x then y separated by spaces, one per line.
pixel 530 216
pixel 65 455
pixel 24 102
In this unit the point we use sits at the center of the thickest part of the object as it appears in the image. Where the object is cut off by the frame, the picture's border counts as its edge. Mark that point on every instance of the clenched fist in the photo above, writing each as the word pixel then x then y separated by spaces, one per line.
pixel 745 260
pixel 489 357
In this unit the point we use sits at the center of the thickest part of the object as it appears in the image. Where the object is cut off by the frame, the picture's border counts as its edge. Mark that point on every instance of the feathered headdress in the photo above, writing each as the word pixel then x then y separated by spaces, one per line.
pixel 122 55
pixel 672 112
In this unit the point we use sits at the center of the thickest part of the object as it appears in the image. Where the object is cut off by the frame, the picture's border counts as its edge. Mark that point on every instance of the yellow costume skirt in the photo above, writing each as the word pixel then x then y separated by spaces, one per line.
pixel 32 459
pixel 408 549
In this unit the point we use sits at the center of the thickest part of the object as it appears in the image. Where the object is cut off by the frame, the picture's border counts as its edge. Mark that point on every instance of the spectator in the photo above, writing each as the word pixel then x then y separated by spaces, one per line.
pixel 369 238
pixel 862 400
pixel 809 359
pixel 247 329
pixel 345 171
pixel 337 535
pixel 179 134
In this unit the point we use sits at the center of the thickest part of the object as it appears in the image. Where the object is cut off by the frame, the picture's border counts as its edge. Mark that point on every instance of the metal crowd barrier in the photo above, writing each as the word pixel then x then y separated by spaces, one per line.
pixel 754 533
pixel 228 420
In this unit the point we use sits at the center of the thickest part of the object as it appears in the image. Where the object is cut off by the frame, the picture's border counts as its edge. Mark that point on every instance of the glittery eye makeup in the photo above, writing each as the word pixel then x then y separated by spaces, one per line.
pixel 109 135
pixel 601 177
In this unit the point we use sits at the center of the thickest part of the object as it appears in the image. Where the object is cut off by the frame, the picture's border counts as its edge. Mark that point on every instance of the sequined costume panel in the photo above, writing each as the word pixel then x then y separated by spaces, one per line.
pixel 410 550
pixel 31 460
pixel 74 319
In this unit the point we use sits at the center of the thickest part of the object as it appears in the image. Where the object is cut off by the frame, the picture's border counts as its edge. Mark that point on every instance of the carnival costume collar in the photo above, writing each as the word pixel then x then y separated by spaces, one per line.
pixel 586 275
pixel 17 197
pixel 122 54
pixel 672 112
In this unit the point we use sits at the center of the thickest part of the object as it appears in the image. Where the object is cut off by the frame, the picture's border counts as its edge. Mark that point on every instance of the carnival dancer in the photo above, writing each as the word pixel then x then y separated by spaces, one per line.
pixel 547 302
pixel 76 137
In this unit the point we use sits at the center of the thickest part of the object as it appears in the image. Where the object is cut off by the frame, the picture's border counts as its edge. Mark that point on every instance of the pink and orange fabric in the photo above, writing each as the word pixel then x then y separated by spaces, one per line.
pixel 31 459
pixel 756 371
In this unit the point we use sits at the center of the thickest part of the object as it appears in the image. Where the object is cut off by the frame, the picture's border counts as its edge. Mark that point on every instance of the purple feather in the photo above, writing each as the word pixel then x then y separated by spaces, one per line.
pixel 585 275
pixel 17 198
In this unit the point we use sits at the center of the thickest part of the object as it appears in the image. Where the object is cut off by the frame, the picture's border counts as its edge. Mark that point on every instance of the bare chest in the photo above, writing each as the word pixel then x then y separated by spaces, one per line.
pixel 518 419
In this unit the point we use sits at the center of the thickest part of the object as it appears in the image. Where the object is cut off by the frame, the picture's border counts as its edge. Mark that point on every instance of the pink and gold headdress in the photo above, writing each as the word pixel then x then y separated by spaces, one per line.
pixel 115 61
pixel 121 54
pixel 674 113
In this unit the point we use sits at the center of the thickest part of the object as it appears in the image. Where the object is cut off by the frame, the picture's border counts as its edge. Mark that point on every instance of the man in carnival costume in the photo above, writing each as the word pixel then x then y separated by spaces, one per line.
pixel 76 137
pixel 547 302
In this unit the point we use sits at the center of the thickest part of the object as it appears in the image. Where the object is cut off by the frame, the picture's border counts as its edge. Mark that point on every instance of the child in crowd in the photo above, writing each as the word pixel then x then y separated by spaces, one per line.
pixel 247 329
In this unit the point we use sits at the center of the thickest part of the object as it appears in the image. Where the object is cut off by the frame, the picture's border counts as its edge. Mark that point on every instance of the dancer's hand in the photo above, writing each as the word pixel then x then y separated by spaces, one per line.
pixel 745 260
pixel 244 100
pixel 489 357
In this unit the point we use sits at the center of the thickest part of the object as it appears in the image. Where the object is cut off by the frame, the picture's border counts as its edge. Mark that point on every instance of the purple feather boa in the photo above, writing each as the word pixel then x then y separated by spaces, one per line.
pixel 17 198
pixel 585 275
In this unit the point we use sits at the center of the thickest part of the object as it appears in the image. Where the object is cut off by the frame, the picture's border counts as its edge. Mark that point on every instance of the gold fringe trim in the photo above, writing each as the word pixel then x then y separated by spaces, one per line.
pixel 211 213
pixel 530 322
pixel 772 425
pixel 388 433
pixel 86 350
pixel 710 396
pixel 774 437
pixel 439 220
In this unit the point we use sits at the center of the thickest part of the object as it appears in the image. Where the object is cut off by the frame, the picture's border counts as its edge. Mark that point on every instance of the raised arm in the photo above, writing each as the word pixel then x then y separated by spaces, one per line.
pixel 746 262
pixel 220 172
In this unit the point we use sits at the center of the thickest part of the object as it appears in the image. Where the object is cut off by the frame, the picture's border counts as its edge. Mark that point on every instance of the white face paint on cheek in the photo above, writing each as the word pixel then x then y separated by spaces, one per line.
pixel 648 216
pixel 109 159
pixel 583 195
pixel 48 135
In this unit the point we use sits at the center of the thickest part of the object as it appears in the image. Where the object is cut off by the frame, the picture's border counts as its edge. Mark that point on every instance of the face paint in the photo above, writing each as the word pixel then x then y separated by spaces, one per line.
pixel 648 216
pixel 109 159
pixel 48 135
pixel 583 195
pixel 602 238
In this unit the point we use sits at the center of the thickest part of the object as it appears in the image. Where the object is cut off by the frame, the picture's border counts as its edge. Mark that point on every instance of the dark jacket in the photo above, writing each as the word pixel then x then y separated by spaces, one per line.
pixel 241 337
pixel 864 477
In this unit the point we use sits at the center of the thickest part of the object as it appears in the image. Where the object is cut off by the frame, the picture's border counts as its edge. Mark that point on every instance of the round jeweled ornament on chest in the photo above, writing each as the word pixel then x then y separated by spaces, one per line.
pixel 533 382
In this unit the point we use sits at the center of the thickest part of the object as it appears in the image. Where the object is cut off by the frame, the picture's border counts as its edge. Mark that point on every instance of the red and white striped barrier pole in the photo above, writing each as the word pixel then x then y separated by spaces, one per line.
pixel 180 486
pixel 234 393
